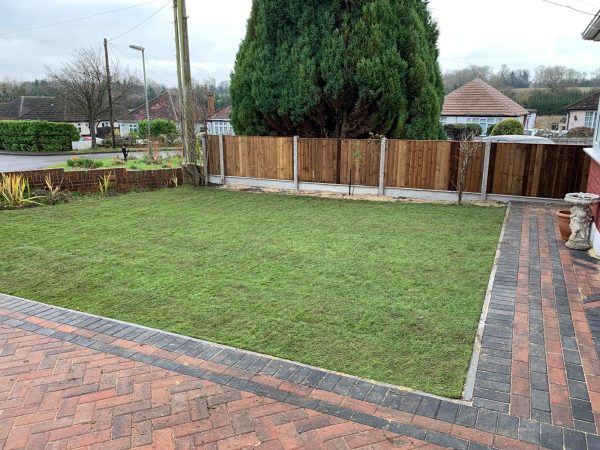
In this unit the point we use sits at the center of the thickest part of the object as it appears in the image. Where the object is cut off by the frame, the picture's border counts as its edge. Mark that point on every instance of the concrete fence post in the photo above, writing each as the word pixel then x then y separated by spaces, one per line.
pixel 222 158
pixel 203 143
pixel 382 167
pixel 296 179
pixel 486 170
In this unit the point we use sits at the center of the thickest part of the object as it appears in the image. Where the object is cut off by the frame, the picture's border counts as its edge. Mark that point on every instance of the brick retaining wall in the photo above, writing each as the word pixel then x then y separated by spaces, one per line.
pixel 86 181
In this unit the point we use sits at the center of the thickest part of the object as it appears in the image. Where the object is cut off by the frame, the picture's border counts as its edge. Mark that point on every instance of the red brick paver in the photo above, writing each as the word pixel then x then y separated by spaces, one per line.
pixel 58 395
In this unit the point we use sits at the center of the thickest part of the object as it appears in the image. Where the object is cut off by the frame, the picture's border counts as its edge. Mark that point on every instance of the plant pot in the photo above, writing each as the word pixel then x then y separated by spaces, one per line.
pixel 564 224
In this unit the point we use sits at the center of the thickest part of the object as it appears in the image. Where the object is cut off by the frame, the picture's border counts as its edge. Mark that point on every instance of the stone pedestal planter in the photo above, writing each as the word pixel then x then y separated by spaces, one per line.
pixel 581 219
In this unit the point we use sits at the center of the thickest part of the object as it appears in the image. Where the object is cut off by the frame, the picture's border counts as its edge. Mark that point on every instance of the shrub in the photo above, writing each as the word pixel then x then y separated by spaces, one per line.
pixel 580 132
pixel 14 192
pixel 36 136
pixel 462 131
pixel 508 127
pixel 84 163
pixel 158 127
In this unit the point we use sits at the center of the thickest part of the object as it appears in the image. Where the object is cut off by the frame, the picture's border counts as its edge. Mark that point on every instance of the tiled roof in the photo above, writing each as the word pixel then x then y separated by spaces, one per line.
pixel 589 103
pixel 222 114
pixel 477 98
pixel 58 109
pixel 22 105
pixel 161 107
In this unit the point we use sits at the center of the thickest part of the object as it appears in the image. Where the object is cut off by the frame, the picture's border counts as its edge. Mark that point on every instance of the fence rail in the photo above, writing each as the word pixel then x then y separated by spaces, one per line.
pixel 543 171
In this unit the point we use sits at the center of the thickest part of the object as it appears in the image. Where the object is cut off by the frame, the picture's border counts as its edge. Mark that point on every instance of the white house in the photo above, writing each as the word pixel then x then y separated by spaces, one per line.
pixel 220 122
pixel 478 102
pixel 583 113
pixel 592 33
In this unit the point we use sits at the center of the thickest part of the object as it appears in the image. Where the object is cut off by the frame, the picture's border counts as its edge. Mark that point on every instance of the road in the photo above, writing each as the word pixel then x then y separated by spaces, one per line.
pixel 10 163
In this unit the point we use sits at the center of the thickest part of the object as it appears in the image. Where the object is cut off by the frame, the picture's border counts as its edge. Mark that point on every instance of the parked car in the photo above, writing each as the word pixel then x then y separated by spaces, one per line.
pixel 512 139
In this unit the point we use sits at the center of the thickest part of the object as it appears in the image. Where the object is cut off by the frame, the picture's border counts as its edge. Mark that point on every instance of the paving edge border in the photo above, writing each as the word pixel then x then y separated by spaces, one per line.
pixel 472 372
pixel 250 352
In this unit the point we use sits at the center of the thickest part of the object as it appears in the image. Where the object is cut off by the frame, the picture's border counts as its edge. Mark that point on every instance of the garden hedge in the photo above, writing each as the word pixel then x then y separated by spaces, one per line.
pixel 463 131
pixel 36 136
pixel 508 127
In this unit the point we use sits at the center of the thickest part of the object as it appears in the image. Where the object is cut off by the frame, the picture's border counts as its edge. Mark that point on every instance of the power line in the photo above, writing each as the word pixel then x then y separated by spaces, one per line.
pixel 568 7
pixel 78 18
pixel 142 22
pixel 148 60
pixel 136 62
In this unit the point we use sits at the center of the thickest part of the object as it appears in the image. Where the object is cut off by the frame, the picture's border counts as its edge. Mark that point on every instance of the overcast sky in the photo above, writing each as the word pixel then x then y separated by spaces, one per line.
pixel 519 33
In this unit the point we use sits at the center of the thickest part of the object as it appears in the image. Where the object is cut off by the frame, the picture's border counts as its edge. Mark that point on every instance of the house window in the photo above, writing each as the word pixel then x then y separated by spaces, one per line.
pixel 591 118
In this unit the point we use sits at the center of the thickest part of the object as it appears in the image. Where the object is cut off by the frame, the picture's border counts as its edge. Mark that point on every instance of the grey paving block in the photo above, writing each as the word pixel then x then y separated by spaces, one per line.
pixel 300 374
pixel 407 430
pixel 360 390
pixel 508 426
pixel 540 400
pixel 551 437
pixel 329 381
pixel 343 386
pixel 539 381
pixel 491 405
pixel 393 400
pixel 575 372
pixel 488 394
pixel 574 440
pixel 315 377
pixel 487 421
pixel 447 411
pixel 466 416
pixel 586 427
pixel 286 370
pixel 369 420
pixel 376 395
pixel 411 403
pixel 582 410
pixel 578 390
pixel 593 442
pixel 428 407
pixel 541 416
pixel 444 440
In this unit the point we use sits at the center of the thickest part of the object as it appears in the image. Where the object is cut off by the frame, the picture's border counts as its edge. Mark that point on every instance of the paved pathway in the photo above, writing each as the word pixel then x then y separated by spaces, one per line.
pixel 71 380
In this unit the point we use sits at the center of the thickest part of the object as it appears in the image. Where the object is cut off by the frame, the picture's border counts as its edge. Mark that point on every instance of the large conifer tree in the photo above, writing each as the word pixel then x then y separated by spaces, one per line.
pixel 338 68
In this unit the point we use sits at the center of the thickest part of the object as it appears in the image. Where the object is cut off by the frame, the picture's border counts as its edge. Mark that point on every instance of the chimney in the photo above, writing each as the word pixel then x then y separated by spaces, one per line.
pixel 211 103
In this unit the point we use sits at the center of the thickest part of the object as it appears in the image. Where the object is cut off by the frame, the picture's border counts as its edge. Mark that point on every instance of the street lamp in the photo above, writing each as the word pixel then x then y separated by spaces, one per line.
pixel 142 49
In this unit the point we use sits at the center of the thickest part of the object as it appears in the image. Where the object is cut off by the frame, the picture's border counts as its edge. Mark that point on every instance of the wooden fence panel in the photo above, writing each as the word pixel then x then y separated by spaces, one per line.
pixel 430 165
pixel 259 157
pixel 360 161
pixel 546 171
pixel 318 160
pixel 212 143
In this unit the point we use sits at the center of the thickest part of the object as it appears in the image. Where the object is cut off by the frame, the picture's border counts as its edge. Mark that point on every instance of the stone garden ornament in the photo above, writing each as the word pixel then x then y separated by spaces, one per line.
pixel 581 219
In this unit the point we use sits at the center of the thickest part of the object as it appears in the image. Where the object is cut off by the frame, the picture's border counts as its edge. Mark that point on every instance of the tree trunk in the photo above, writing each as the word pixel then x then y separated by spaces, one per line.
pixel 93 132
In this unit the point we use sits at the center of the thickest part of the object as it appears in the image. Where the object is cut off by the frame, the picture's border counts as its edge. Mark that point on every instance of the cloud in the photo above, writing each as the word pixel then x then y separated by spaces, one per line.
pixel 519 33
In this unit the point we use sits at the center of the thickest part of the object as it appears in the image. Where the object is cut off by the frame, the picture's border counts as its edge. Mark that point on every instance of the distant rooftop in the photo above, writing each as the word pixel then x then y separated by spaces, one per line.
pixel 590 103
pixel 477 98
pixel 22 105
pixel 222 114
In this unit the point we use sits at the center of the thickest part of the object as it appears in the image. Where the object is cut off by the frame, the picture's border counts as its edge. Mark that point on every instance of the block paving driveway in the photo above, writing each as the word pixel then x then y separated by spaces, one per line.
pixel 71 380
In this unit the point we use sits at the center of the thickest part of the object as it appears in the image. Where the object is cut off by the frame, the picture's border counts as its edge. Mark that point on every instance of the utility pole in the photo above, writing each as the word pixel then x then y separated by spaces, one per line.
pixel 110 103
pixel 178 56
pixel 190 154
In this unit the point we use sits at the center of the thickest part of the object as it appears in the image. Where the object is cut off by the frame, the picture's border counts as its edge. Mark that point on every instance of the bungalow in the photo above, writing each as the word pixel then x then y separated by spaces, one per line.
pixel 161 107
pixel 220 122
pixel 478 102
pixel 59 110
pixel 583 113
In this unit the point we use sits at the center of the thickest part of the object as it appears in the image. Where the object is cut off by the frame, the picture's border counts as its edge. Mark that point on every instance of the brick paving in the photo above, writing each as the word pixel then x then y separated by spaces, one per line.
pixel 72 380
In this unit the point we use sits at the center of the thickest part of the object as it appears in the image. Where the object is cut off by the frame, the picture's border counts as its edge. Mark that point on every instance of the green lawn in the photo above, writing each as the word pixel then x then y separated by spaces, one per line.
pixel 387 291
